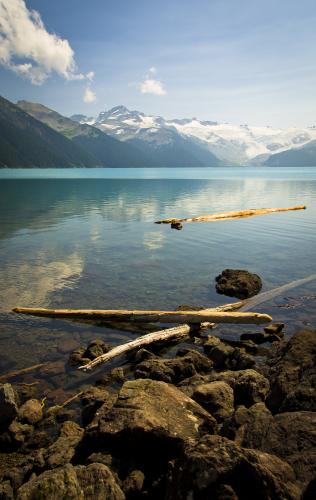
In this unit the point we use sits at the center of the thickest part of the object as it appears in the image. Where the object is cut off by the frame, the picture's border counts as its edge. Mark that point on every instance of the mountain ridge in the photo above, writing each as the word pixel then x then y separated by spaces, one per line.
pixel 231 144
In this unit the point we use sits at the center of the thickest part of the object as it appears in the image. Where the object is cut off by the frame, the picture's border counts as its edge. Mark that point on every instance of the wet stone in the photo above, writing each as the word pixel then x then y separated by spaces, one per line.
pixel 238 283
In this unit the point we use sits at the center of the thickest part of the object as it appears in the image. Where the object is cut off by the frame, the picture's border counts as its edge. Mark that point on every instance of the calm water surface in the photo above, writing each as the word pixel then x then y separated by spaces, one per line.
pixel 86 238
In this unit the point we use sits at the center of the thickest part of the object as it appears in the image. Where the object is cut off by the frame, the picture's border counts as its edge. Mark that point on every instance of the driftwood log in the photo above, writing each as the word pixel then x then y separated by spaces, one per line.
pixel 240 214
pixel 152 316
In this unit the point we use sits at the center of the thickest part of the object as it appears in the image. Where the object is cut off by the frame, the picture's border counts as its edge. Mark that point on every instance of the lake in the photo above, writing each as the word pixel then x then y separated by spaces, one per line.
pixel 86 238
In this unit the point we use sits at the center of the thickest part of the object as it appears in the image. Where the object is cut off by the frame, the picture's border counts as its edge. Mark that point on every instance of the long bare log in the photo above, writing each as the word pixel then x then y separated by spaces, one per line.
pixel 177 332
pixel 240 214
pixel 152 316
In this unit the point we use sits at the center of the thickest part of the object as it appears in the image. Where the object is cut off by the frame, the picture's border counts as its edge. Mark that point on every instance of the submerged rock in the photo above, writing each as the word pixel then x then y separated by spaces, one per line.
pixel 218 468
pixel 94 481
pixel 238 283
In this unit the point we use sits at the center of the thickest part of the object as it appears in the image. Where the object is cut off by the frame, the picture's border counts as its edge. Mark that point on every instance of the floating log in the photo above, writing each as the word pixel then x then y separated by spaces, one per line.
pixel 151 316
pixel 240 214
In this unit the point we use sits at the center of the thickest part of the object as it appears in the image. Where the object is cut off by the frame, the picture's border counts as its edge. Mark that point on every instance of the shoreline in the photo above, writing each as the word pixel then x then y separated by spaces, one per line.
pixel 151 427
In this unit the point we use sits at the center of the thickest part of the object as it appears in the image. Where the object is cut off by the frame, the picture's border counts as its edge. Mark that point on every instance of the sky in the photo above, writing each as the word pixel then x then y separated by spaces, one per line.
pixel 235 61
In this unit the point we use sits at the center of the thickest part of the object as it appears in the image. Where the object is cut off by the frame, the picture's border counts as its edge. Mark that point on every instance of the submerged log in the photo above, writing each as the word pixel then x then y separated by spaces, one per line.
pixel 23 371
pixel 152 316
pixel 240 214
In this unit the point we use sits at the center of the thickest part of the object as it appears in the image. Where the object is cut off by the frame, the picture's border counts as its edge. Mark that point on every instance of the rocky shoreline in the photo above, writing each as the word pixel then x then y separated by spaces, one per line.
pixel 222 420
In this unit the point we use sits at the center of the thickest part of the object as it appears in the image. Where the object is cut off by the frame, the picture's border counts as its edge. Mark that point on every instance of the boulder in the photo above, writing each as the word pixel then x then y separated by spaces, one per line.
pixel 186 364
pixel 217 398
pixel 62 450
pixel 238 283
pixel 31 412
pixel 275 329
pixel 291 436
pixel 216 467
pixel 8 405
pixel 149 413
pixel 92 482
pixel 95 349
pixel 291 371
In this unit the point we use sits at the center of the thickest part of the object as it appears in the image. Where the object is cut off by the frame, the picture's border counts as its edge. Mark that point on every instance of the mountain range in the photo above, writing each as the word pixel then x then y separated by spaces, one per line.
pixel 32 135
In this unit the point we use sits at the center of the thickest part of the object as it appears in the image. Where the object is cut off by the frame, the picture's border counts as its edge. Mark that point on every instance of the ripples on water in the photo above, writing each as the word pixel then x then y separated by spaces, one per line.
pixel 92 243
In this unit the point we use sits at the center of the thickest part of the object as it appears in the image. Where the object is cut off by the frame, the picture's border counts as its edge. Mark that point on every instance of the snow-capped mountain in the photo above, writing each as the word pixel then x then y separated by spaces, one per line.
pixel 237 144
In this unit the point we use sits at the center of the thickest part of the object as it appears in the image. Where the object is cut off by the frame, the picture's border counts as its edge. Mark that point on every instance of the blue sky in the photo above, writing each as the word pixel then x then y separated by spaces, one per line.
pixel 238 61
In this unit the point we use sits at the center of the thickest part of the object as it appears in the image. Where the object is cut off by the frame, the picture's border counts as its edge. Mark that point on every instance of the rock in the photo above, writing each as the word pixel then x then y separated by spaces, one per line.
pixel 150 415
pixel 53 368
pixel 8 405
pixel 101 458
pixel 234 428
pixel 186 364
pixel 62 450
pixel 216 464
pixel 291 436
pixel 176 225
pixel 67 345
pixel 75 357
pixel 249 386
pixel 92 482
pixel 217 398
pixel 31 412
pixel 292 374
pixel 227 357
pixel 95 348
pixel 19 433
pixel 133 484
pixel 91 400
pixel 6 491
pixel 238 283
pixel 260 337
pixel 275 329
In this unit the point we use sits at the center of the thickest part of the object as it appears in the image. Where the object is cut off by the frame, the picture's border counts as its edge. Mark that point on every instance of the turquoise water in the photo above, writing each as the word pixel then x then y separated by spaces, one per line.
pixel 87 239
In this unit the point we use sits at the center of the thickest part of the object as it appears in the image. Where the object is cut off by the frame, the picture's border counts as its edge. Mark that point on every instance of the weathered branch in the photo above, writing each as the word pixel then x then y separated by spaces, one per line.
pixel 152 316
pixel 241 214
pixel 16 373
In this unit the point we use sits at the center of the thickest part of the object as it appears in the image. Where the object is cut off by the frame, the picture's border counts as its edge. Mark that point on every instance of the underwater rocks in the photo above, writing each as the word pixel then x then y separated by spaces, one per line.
pixel 238 283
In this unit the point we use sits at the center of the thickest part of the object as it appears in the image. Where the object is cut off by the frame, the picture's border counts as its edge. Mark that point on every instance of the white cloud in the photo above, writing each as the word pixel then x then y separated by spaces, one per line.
pixel 28 49
pixel 90 76
pixel 151 85
pixel 89 96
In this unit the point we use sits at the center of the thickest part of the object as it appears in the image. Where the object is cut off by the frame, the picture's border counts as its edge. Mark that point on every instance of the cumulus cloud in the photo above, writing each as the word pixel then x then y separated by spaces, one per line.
pixel 151 85
pixel 89 96
pixel 28 49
